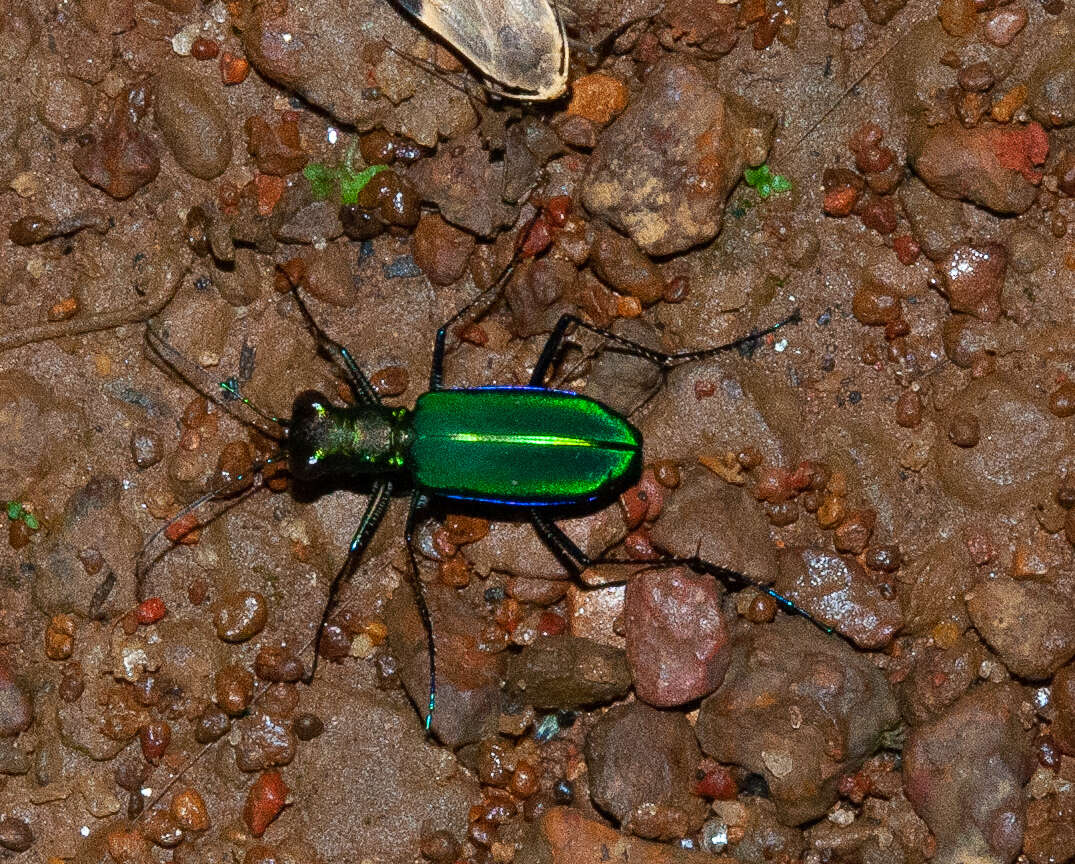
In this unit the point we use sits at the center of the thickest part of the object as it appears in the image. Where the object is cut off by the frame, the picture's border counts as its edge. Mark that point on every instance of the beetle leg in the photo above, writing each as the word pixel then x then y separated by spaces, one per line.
pixel 419 502
pixel 561 545
pixel 367 527
pixel 360 385
pixel 658 358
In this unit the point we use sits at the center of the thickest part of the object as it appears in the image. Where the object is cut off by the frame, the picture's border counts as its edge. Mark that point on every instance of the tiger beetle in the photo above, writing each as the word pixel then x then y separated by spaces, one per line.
pixel 532 452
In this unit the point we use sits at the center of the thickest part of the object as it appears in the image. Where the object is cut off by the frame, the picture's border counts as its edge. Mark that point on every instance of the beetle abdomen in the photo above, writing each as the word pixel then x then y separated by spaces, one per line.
pixel 521 445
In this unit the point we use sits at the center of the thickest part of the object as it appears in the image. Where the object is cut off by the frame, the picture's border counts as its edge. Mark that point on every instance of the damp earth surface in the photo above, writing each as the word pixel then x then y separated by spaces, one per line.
pixel 899 463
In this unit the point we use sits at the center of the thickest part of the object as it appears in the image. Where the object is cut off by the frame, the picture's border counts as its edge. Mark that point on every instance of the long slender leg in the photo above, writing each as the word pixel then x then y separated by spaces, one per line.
pixel 484 300
pixel 658 358
pixel 567 550
pixel 419 502
pixel 367 527
pixel 360 385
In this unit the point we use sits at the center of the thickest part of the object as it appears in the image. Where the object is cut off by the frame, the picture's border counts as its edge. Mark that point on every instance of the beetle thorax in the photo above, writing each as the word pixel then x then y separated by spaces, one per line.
pixel 356 439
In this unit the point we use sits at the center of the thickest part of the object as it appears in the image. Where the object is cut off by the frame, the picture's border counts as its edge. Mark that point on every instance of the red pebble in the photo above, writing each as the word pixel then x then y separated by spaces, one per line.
pixel 150 611
pixel 538 238
pixel 551 624
pixel 718 784
pixel 264 802
pixel 183 530
pixel 906 249
pixel 557 210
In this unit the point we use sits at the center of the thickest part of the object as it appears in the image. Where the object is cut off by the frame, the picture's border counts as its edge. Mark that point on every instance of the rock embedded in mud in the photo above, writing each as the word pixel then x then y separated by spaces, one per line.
pixel 441 249
pixel 565 672
pixel 1031 625
pixel 841 705
pixel 663 169
pixel 977 744
pixel 65 104
pixel 677 638
pixel 16 707
pixel 121 159
pixel 996 167
pixel 973 277
pixel 623 266
pixel 240 616
pixel 1052 89
pixel 638 756
pixel 838 592
pixel 192 124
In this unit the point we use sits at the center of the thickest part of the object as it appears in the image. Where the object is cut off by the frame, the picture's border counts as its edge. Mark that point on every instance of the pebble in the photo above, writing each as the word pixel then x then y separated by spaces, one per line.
pixel 597 97
pixel 964 429
pixel 1052 89
pixel 639 757
pixel 842 188
pixel 234 690
pixel 307 727
pixel 677 637
pixel 1062 400
pixel 662 171
pixel 15 834
pixel 60 637
pixel 127 846
pixel 1030 624
pixel 440 249
pixel 535 294
pixel 204 49
pixel 957 16
pixel 565 672
pixel 1065 173
pixel 212 724
pixel 1003 25
pixel 120 159
pixel 146 449
pixel 909 409
pixel 240 616
pixel 189 810
pixel 875 304
pixel 264 802
pixel 278 664
pixel 465 186
pixel 973 277
pixel 439 846
pixel 799 708
pixel 265 742
pixel 275 150
pixel 997 167
pixel 160 829
pixel 154 738
pixel 233 69
pixel 193 126
pixel 65 105
pixel 1063 698
pixel 978 743
pixel 16 707
pixel 837 591
pixel 624 267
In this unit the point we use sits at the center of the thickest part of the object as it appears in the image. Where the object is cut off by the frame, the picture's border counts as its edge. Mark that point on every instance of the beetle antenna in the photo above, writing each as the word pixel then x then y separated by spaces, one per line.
pixel 143 562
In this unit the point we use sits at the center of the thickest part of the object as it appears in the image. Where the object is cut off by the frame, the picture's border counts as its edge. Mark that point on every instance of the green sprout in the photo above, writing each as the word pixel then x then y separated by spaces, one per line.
pixel 765 183
pixel 16 512
pixel 341 180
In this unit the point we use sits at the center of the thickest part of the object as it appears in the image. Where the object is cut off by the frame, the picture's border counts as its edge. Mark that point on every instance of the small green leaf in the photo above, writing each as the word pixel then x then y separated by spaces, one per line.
pixel 351 183
pixel 14 510
pixel 754 176
pixel 31 520
pixel 781 183
pixel 322 179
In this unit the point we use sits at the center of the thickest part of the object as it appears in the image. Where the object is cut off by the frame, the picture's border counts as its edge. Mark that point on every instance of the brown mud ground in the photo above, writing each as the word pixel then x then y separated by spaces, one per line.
pixel 898 463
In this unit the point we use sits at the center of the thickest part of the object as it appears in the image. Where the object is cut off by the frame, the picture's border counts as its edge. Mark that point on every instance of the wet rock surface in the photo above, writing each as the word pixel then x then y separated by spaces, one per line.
pixel 978 743
pixel 899 460
pixel 691 139
pixel 786 735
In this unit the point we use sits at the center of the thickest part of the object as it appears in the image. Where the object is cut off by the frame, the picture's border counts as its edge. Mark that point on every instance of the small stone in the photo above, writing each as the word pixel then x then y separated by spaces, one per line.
pixel 1003 25
pixel 192 124
pixel 234 690
pixel 189 810
pixel 909 409
pixel 154 738
pixel 121 159
pixel 145 448
pixel 964 430
pixel 65 105
pixel 277 664
pixel 212 724
pixel 275 150
pixel 875 304
pixel 160 828
pixel 973 277
pixel 1062 400
pixel 1052 89
pixel 204 49
pixel 308 726
pixel 597 97
pixel 16 709
pixel 240 616
pixel 15 834
pixel 564 672
pixel 264 802
pixel 625 268
pixel 233 69
pixel 60 637
pixel 842 189
pixel 976 78
pixel 441 250
pixel 957 16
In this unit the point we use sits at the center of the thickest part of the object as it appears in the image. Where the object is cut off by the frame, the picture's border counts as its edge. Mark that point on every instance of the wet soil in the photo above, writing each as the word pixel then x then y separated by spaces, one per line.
pixel 897 464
